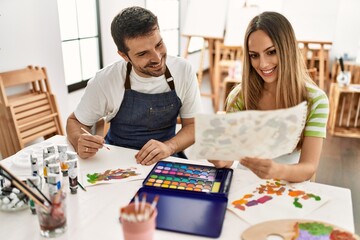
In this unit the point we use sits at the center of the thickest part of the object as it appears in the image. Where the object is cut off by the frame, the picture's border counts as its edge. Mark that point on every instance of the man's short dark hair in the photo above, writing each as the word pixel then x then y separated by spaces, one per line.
pixel 130 23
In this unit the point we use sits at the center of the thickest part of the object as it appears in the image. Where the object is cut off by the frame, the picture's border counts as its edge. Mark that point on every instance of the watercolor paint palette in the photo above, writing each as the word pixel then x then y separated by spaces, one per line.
pixel 189 177
pixel 193 198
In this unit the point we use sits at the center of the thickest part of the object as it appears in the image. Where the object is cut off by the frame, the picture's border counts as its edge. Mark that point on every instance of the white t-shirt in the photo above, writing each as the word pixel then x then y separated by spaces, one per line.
pixel 104 92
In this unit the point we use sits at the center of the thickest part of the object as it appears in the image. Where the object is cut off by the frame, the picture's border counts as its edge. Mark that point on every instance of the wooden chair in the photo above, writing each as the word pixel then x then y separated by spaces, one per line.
pixel 228 85
pixel 30 112
pixel 225 57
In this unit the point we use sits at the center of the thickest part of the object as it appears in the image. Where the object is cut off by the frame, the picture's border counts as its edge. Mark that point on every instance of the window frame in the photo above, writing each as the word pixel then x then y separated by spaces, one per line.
pixel 81 83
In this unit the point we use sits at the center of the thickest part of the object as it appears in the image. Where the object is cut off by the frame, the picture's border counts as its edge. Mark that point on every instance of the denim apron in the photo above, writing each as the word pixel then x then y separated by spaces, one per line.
pixel 144 116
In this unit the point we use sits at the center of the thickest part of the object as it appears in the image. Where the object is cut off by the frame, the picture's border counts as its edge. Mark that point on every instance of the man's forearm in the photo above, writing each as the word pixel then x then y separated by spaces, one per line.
pixel 184 138
pixel 73 130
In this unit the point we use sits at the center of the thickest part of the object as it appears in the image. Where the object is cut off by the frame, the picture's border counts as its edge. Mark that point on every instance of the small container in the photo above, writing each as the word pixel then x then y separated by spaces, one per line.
pixel 138 228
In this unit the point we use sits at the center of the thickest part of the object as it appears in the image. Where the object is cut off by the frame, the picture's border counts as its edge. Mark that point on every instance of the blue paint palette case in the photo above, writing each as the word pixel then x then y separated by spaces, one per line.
pixel 193 198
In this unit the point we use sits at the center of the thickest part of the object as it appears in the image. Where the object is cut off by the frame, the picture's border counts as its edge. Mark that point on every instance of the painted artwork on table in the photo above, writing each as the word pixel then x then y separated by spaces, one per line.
pixel 274 199
pixel 114 175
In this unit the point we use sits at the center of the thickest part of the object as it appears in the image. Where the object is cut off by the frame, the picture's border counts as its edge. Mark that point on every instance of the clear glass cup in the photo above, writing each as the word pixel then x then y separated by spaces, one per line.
pixel 53 219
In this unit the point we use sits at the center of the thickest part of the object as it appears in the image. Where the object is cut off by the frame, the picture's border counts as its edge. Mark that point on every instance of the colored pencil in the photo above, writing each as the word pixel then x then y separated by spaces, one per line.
pixel 87 132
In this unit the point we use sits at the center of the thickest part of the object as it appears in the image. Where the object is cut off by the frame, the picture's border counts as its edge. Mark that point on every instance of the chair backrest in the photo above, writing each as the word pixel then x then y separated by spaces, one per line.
pixel 28 109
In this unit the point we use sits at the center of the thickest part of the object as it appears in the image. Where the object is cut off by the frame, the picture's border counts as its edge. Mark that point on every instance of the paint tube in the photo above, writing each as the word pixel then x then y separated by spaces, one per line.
pixel 49 157
pixel 71 155
pixel 73 175
pixel 62 148
pixel 53 183
pixel 54 168
pixel 34 164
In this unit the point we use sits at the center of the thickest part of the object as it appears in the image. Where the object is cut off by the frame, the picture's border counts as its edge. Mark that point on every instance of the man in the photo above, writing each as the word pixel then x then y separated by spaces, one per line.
pixel 141 95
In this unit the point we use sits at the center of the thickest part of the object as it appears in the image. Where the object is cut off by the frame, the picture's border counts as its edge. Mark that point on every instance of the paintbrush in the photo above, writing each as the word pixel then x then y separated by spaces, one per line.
pixel 153 204
pixel 24 188
pixel 42 194
pixel 81 186
pixel 87 132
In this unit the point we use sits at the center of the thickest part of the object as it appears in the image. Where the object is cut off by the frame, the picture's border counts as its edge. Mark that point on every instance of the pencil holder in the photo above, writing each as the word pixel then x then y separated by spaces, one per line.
pixel 140 224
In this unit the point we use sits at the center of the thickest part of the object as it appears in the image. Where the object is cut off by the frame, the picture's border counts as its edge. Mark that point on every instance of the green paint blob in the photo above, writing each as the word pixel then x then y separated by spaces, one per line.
pixel 92 178
pixel 316 229
pixel 296 203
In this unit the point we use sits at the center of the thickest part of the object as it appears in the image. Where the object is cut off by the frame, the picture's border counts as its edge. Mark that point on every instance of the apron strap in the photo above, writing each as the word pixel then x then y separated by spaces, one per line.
pixel 127 79
pixel 169 78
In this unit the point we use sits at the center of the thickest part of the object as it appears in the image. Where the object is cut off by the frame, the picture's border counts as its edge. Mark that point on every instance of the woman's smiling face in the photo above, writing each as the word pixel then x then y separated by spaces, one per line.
pixel 263 56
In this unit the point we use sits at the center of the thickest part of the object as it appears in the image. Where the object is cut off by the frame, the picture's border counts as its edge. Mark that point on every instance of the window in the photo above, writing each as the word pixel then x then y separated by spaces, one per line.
pixel 79 30
pixel 167 12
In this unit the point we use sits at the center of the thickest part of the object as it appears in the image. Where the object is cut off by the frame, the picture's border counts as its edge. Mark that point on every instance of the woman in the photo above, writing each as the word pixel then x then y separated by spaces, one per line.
pixel 274 77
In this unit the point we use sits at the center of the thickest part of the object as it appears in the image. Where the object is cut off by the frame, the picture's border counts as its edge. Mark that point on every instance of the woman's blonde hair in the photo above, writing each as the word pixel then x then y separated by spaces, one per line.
pixel 292 73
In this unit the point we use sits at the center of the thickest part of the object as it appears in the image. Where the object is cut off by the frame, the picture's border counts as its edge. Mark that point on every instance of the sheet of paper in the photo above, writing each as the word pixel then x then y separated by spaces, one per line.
pixel 262 134
pixel 112 176
pixel 274 199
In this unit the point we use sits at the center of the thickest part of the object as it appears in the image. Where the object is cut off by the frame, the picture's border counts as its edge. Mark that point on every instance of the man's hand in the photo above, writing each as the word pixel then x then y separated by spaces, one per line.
pixel 88 145
pixel 152 152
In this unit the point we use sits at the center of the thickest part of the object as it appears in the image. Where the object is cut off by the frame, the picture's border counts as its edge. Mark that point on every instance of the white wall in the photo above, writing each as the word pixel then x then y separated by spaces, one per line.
pixel 30 35
pixel 108 10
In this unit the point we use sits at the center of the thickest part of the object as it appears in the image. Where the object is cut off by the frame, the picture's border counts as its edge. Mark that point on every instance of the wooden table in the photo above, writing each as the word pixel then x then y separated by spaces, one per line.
pixel 94 214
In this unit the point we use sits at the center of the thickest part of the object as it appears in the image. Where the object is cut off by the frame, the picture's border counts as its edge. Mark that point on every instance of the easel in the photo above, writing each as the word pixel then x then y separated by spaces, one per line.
pixel 210 42
pixel 210 26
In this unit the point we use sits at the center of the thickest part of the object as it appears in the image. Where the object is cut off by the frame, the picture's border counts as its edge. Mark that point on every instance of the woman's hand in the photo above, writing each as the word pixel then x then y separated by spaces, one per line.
pixel 221 164
pixel 263 168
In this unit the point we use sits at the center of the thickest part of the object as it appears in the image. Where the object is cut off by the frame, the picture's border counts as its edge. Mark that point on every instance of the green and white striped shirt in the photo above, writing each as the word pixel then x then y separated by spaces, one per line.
pixel 318 110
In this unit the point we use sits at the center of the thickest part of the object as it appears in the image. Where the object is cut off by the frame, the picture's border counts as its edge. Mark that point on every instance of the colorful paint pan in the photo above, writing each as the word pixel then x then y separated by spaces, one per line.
pixel 189 177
